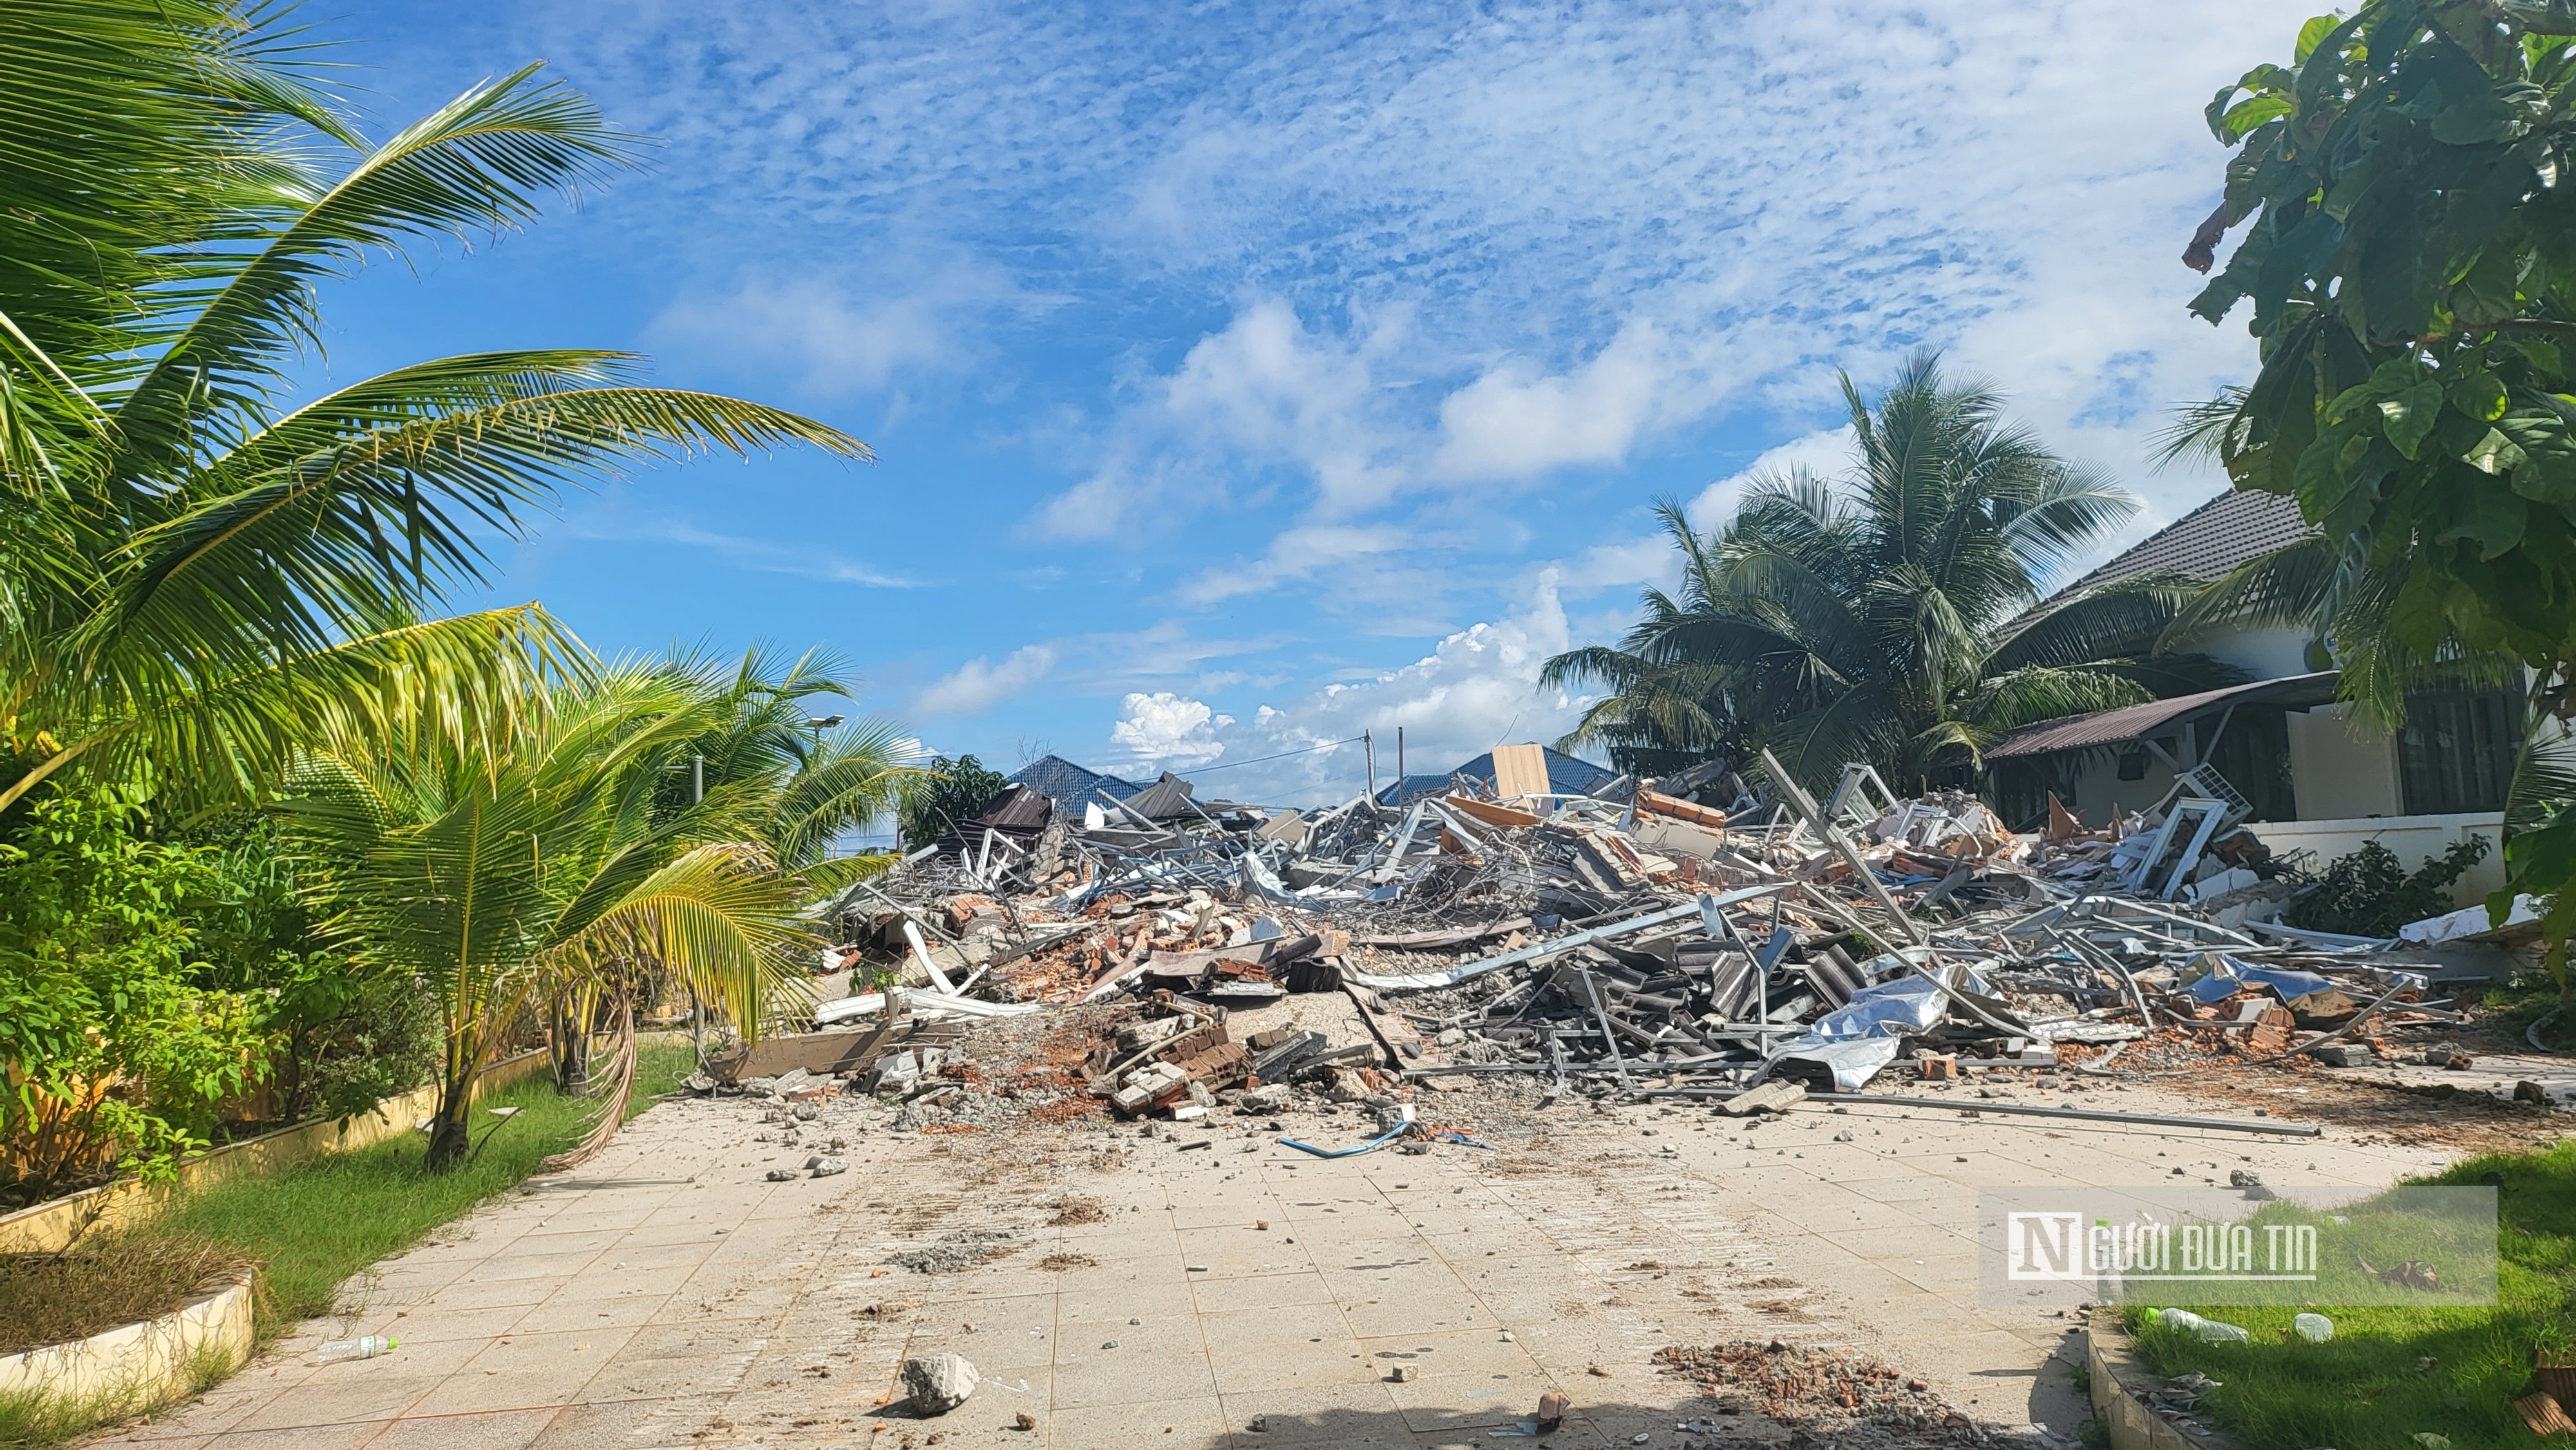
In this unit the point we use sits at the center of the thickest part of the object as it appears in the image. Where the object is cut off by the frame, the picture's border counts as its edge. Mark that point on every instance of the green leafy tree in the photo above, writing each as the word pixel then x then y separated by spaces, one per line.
pixel 198 571
pixel 346 1038
pixel 2409 245
pixel 117 1050
pixel 1893 615
pixel 945 793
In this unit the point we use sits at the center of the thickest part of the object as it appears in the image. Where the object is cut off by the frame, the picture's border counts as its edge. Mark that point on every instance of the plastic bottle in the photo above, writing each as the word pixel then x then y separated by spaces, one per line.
pixel 367 1348
pixel 2314 1328
pixel 2210 1330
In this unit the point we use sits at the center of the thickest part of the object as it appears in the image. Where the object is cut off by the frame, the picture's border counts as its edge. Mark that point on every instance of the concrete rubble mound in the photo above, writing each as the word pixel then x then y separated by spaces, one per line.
pixel 1703 935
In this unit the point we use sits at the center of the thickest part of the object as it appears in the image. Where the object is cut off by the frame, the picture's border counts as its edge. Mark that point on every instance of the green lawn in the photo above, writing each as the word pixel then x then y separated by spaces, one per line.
pixel 314 1225
pixel 2392 1373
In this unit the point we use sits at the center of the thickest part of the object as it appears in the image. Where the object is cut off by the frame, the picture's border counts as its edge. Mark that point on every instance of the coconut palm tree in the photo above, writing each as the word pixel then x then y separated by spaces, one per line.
pixel 197 572
pixel 1895 614
pixel 563 869
pixel 778 777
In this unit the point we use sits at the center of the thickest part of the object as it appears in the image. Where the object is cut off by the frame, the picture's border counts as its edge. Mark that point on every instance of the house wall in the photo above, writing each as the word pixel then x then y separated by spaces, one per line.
pixel 2413 839
pixel 2098 788
pixel 2339 772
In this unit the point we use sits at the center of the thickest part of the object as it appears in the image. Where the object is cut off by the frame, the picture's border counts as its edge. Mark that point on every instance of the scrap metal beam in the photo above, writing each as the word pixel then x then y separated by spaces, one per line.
pixel 1432 981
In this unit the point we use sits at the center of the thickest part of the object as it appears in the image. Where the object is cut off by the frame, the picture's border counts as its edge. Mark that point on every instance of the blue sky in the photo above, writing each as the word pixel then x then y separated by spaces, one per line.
pixel 1243 377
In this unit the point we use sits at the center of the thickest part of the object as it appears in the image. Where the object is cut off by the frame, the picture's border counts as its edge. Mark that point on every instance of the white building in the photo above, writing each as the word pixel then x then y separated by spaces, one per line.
pixel 2283 746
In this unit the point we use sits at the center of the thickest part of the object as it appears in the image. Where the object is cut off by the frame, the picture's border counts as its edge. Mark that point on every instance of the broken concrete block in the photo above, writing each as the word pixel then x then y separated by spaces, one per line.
pixel 2342 1054
pixel 781 1175
pixel 936 1385
pixel 1770 1097
pixel 1149 1087
pixel 826 1166
pixel 1267 1098
pixel 894 1072
pixel 2527 1091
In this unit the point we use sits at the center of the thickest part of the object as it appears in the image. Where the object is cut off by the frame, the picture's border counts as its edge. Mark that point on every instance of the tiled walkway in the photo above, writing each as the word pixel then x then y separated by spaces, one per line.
pixel 667 1296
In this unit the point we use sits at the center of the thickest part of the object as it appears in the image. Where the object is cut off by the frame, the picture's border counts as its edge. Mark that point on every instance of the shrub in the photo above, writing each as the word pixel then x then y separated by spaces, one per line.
pixel 2370 893
pixel 117 1051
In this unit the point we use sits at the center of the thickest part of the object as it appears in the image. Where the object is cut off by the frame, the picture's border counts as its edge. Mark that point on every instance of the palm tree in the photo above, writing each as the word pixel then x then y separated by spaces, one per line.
pixel 562 869
pixel 783 780
pixel 197 575
pixel 1894 615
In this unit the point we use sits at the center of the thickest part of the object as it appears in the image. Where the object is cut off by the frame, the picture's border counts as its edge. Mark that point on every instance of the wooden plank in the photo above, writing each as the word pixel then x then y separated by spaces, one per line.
pixel 1520 770
pixel 1490 813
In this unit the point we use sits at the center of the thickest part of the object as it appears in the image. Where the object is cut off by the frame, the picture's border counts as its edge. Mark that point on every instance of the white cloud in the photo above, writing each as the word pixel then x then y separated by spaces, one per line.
pixel 1600 221
pixel 1826 452
pixel 838 341
pixel 1477 688
pixel 1264 389
pixel 768 556
pixel 1164 729
pixel 1298 554
pixel 979 684
pixel 1515 422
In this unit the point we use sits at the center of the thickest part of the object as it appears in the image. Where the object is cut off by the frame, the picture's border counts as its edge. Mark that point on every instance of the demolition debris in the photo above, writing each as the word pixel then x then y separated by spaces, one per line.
pixel 1696 936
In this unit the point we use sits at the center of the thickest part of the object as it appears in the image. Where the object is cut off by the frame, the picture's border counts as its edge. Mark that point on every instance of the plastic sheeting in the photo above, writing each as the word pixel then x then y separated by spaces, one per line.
pixel 1856 1042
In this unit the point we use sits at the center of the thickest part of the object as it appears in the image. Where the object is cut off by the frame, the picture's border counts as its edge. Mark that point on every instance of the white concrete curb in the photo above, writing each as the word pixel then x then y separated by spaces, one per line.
pixel 135 1367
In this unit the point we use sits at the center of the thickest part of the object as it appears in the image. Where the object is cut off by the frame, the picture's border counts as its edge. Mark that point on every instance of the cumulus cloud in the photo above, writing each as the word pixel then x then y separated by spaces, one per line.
pixel 1475 689
pixel 1517 422
pixel 1264 389
pixel 979 684
pixel 1165 729
pixel 1825 452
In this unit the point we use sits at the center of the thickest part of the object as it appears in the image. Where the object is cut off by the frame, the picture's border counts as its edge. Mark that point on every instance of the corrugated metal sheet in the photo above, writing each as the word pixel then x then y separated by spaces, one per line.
pixel 2141 722
pixel 1019 809
pixel 1166 799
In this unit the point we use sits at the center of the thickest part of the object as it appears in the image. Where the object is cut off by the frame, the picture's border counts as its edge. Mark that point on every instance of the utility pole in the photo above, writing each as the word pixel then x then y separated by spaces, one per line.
pixel 1369 745
pixel 1399 767
pixel 697 779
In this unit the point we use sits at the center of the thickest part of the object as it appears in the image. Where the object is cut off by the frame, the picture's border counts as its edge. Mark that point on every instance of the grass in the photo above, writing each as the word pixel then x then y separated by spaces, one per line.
pixel 104 1281
pixel 311 1227
pixel 2392 1373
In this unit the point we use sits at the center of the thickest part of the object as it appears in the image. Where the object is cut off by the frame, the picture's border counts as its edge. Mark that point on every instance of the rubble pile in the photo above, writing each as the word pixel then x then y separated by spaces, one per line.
pixel 1693 936
pixel 1833 1394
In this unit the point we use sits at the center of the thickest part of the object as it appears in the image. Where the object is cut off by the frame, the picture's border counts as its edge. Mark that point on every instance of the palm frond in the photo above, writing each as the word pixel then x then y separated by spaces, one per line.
pixel 473 165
